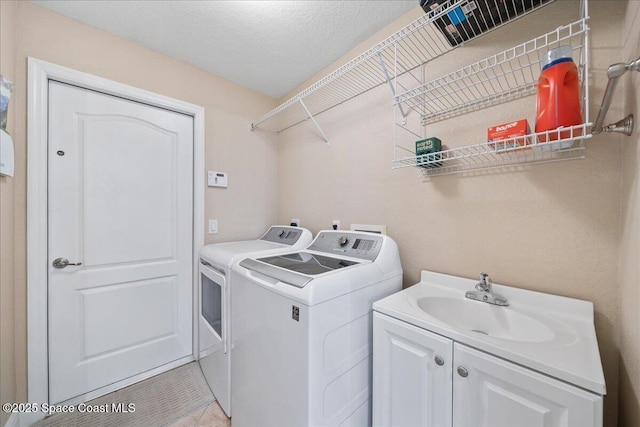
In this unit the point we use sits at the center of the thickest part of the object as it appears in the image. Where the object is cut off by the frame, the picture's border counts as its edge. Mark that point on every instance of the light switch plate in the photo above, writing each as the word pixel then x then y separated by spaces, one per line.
pixel 213 226
pixel 217 179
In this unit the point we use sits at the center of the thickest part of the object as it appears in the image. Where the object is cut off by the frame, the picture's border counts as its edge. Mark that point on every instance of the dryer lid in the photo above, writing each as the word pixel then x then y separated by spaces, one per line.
pixel 226 254
pixel 277 239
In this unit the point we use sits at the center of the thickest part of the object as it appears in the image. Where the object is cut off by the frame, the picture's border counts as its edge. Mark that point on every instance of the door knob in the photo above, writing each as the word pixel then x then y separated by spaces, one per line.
pixel 63 262
pixel 463 372
pixel 439 360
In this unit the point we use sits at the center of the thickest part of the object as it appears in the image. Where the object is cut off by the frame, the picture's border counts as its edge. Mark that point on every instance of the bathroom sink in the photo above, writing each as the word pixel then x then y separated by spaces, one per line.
pixel 548 333
pixel 486 319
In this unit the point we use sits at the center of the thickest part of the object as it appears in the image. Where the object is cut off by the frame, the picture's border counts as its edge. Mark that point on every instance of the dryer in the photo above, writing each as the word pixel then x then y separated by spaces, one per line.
pixel 302 331
pixel 215 301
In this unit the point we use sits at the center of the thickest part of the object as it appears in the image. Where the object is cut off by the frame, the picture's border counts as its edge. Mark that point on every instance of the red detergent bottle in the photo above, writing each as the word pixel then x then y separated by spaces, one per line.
pixel 558 95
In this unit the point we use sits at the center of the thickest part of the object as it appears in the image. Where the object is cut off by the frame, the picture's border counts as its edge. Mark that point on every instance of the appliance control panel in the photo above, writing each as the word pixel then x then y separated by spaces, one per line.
pixel 357 245
pixel 284 235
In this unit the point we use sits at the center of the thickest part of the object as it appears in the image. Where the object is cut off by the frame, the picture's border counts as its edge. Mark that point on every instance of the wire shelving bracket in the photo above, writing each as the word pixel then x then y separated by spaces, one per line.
pixel 499 78
pixel 409 48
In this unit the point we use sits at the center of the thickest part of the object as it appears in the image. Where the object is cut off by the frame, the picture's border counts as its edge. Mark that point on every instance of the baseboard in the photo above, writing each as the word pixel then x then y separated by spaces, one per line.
pixel 27 419
pixel 128 381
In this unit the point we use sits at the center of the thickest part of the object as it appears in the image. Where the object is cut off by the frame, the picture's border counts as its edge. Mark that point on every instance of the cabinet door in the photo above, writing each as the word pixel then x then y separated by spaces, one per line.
pixel 410 388
pixel 498 393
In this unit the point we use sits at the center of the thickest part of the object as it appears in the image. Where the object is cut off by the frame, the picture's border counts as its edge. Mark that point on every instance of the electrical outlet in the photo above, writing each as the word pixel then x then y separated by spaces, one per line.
pixel 213 226
pixel 336 224
pixel 295 222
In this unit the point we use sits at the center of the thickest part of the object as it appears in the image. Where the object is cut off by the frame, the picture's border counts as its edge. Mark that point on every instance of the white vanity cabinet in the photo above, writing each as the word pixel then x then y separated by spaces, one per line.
pixel 425 379
pixel 412 382
pixel 490 391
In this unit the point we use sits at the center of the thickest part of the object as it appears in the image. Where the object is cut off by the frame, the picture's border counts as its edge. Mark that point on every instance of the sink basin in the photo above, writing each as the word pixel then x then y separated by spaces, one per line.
pixel 548 333
pixel 486 319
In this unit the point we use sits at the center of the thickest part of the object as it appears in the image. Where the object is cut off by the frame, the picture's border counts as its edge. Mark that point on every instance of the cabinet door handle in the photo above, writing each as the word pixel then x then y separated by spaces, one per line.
pixel 439 360
pixel 463 372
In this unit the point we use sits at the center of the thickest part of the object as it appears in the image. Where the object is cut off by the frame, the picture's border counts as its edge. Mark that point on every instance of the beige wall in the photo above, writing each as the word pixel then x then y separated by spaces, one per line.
pixel 244 209
pixel 554 228
pixel 629 405
pixel 7 333
pixel 551 228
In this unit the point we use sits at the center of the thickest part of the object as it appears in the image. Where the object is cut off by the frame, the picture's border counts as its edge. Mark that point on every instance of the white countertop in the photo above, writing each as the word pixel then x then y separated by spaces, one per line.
pixel 570 354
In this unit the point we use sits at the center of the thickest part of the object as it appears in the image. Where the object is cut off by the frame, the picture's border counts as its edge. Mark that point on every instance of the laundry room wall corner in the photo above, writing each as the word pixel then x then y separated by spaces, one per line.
pixel 8 388
pixel 229 144
pixel 630 233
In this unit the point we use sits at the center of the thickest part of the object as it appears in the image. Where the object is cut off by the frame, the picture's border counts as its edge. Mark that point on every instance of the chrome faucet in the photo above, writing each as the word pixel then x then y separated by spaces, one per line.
pixel 485 293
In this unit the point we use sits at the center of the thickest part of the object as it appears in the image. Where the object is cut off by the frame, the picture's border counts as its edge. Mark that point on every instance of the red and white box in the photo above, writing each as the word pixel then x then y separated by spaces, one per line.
pixel 496 135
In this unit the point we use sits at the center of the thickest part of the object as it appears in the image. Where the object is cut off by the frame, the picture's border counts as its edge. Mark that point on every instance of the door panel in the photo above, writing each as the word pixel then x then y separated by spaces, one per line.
pixel 498 393
pixel 213 303
pixel 409 388
pixel 120 202
pixel 215 360
pixel 106 333
pixel 145 212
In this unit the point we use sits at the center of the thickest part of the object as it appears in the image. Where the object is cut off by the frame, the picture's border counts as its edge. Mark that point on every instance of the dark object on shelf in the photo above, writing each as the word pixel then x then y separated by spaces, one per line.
pixel 473 17
pixel 428 151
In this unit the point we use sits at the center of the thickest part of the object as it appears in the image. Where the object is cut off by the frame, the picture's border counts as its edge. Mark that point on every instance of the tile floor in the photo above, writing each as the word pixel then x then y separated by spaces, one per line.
pixel 207 416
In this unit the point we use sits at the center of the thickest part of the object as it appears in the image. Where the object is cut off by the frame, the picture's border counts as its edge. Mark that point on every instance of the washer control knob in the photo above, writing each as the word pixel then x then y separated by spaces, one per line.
pixel 281 233
pixel 343 241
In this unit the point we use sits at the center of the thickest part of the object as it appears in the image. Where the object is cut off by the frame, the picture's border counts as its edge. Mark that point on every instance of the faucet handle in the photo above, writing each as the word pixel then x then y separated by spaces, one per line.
pixel 485 282
pixel 485 293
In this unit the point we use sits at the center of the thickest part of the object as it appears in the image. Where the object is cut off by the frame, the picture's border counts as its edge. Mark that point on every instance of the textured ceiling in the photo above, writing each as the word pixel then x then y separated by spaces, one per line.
pixel 268 46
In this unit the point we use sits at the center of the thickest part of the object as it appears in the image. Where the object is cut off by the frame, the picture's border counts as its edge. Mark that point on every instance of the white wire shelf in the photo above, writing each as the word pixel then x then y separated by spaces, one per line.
pixel 508 75
pixel 414 45
pixel 503 77
pixel 562 144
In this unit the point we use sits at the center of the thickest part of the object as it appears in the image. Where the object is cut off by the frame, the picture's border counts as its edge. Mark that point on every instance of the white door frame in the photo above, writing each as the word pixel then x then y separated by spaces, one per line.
pixel 39 74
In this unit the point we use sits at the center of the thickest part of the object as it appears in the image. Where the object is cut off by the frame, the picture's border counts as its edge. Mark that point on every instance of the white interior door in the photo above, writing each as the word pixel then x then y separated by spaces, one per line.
pixel 120 184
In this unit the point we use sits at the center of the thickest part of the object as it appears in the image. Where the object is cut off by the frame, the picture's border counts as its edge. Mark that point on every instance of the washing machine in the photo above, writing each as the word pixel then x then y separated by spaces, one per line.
pixel 302 331
pixel 215 300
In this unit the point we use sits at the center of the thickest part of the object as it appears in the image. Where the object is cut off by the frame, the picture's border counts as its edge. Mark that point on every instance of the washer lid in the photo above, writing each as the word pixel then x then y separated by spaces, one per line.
pixel 297 268
pixel 307 263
